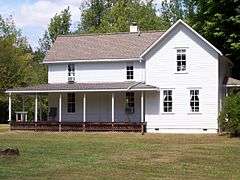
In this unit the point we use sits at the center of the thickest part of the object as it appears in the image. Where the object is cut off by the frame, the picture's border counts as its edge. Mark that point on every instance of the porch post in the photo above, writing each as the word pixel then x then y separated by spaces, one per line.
pixel 113 101
pixel 142 111
pixel 60 111
pixel 84 111
pixel 36 107
pixel 142 106
pixel 9 107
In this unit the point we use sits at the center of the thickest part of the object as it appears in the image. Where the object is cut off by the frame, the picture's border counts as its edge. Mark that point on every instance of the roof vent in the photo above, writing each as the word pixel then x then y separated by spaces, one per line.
pixel 134 28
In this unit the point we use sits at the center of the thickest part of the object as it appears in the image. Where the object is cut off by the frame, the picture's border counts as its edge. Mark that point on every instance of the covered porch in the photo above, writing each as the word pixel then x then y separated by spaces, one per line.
pixel 87 107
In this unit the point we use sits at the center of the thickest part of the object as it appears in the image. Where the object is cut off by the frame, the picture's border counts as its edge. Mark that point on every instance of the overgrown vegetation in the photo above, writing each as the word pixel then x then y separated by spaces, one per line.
pixel 230 115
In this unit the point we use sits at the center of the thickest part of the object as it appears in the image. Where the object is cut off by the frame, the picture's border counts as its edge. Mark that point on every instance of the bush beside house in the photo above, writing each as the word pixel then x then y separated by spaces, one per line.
pixel 230 115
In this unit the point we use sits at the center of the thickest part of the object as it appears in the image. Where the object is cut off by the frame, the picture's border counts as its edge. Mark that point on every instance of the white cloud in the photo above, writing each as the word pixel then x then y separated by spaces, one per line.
pixel 38 14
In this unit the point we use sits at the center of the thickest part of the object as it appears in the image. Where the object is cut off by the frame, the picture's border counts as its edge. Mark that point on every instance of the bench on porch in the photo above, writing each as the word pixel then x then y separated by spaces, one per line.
pixel 80 126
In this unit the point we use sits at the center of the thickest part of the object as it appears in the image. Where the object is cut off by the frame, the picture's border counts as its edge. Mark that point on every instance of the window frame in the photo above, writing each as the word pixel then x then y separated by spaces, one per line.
pixel 181 60
pixel 129 71
pixel 167 93
pixel 71 102
pixel 195 101
pixel 71 70
pixel 130 102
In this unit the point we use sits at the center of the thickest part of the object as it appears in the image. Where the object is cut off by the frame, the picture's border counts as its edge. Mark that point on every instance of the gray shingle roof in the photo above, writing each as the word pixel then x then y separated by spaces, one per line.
pixel 101 46
pixel 123 86
pixel 233 82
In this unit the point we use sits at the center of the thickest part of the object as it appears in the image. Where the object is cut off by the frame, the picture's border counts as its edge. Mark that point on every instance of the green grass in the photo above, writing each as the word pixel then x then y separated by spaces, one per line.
pixel 119 156
pixel 4 127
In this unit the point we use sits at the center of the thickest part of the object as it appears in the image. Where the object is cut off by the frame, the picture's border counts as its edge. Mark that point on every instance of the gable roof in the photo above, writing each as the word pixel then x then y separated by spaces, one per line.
pixel 101 46
pixel 173 27
pixel 110 47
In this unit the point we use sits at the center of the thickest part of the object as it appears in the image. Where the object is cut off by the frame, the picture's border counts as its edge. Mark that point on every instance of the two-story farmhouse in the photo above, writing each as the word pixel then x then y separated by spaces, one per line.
pixel 171 82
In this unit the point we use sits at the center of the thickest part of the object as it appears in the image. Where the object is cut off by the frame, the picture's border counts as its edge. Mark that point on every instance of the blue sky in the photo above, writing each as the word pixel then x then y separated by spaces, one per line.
pixel 32 16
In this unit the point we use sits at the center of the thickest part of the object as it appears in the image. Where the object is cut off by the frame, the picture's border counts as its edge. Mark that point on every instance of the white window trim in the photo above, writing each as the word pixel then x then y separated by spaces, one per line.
pixel 199 106
pixel 175 58
pixel 72 73
pixel 162 102
pixel 129 102
pixel 129 64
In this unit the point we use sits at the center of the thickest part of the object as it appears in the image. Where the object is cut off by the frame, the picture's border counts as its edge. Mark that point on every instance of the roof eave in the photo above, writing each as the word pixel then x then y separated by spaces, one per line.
pixel 88 90
pixel 90 60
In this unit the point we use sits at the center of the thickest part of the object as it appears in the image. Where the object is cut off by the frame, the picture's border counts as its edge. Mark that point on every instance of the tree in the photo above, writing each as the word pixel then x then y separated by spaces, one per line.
pixel 92 14
pixel 172 11
pixel 219 22
pixel 59 25
pixel 16 63
pixel 118 15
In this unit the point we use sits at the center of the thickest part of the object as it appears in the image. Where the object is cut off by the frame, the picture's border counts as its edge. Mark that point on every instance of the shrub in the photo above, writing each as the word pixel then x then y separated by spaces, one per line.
pixel 230 115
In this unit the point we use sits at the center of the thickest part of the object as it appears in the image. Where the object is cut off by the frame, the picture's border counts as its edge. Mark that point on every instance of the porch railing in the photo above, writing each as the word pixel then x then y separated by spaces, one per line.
pixel 80 126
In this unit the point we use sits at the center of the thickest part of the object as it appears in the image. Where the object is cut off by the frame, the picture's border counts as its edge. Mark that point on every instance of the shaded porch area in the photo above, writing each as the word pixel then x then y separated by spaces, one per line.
pixel 87 107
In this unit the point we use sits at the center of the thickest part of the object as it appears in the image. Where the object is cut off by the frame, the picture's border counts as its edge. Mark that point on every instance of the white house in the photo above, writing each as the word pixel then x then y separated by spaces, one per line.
pixel 171 81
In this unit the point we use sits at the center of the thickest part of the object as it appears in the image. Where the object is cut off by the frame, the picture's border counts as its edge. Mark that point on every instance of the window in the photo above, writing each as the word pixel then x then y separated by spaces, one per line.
pixel 71 70
pixel 194 100
pixel 129 102
pixel 129 72
pixel 71 102
pixel 167 101
pixel 181 60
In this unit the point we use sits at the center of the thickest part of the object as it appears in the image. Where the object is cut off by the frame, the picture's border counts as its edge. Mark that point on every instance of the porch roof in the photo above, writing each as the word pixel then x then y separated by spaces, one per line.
pixel 85 87
pixel 231 82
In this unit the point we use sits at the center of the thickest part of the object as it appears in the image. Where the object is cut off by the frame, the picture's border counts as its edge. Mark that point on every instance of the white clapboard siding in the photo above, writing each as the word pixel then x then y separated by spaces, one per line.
pixel 202 73
pixel 98 107
pixel 95 72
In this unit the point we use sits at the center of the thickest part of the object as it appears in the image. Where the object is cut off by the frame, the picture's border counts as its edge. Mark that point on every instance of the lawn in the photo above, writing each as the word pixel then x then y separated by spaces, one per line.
pixel 46 155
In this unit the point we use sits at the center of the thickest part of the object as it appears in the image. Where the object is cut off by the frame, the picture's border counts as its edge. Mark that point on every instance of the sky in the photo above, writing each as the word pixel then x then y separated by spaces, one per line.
pixel 33 16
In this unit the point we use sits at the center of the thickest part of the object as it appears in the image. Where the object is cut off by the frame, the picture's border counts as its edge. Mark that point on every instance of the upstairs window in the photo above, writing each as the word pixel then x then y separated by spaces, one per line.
pixel 129 102
pixel 181 60
pixel 71 72
pixel 71 102
pixel 194 100
pixel 130 72
pixel 167 101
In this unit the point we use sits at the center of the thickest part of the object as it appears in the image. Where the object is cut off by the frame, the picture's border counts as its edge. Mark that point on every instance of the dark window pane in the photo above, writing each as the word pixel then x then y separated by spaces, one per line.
pixel 165 109
pixel 178 57
pixel 183 57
